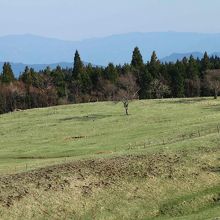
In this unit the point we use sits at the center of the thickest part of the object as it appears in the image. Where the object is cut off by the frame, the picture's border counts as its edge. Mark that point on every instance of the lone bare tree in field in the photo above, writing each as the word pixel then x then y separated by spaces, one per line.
pixel 213 81
pixel 128 90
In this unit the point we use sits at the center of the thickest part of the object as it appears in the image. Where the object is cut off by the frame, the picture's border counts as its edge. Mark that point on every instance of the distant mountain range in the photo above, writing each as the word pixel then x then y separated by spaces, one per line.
pixel 179 56
pixel 19 67
pixel 31 49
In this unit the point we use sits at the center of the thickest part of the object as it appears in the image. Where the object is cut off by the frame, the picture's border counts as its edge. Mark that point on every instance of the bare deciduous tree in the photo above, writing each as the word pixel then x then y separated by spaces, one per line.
pixel 213 81
pixel 159 88
pixel 128 90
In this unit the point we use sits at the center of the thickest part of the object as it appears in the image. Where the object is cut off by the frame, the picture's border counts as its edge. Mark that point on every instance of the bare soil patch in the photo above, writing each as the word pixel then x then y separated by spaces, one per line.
pixel 92 174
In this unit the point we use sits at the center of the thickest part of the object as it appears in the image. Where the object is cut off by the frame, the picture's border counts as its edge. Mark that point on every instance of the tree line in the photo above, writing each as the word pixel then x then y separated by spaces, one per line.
pixel 188 77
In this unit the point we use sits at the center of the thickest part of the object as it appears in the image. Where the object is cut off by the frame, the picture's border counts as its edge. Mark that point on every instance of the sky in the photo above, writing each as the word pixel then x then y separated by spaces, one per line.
pixel 83 19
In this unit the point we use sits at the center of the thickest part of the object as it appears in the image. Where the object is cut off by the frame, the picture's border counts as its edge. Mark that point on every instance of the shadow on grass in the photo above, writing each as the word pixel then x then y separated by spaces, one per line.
pixel 35 157
pixel 92 117
pixel 213 108
pixel 215 169
pixel 186 100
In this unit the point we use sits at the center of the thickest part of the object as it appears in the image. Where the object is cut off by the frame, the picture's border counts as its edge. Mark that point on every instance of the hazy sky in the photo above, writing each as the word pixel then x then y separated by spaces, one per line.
pixel 80 19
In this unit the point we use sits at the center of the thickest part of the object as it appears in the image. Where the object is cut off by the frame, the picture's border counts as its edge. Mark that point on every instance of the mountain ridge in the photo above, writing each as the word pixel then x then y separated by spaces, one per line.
pixel 30 49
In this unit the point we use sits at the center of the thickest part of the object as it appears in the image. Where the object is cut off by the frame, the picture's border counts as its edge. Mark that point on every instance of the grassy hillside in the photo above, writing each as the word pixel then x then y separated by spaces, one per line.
pixel 160 162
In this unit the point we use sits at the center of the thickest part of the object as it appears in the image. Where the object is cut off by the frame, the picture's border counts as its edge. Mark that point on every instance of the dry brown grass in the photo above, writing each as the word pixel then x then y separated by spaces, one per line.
pixel 128 187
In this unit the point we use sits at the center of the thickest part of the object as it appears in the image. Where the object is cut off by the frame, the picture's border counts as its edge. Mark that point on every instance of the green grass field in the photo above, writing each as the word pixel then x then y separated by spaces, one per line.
pixel 160 162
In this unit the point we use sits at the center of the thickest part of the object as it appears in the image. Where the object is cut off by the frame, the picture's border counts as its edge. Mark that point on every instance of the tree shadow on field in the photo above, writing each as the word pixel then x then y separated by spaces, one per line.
pixel 92 117
pixel 186 101
pixel 213 108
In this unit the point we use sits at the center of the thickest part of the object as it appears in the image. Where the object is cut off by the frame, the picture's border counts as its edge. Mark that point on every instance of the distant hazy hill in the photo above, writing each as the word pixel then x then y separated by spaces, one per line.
pixel 179 56
pixel 19 67
pixel 32 49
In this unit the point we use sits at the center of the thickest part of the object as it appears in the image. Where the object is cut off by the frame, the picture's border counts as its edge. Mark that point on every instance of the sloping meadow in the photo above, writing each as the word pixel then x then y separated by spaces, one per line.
pixel 90 161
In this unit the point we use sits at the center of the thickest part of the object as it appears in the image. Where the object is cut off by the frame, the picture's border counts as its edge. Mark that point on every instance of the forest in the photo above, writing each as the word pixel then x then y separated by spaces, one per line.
pixel 188 77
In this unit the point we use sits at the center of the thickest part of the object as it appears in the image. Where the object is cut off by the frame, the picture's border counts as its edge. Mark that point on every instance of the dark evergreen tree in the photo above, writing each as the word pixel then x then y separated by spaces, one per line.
pixel 192 68
pixel 205 65
pixel 47 71
pixel 85 83
pixel 111 73
pixel 144 82
pixel 177 81
pixel 205 62
pixel 7 74
pixel 27 79
pixel 192 81
pixel 154 65
pixel 77 66
pixel 59 81
pixel 137 60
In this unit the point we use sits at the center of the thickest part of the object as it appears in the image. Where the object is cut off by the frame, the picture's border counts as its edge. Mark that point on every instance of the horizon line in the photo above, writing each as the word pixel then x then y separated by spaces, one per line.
pixel 105 36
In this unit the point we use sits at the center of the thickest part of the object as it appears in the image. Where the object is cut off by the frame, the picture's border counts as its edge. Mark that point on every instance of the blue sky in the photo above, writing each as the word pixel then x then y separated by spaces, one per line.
pixel 80 19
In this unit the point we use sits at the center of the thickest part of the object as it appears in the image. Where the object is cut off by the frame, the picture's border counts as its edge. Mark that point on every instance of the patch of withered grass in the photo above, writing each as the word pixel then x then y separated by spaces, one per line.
pixel 128 187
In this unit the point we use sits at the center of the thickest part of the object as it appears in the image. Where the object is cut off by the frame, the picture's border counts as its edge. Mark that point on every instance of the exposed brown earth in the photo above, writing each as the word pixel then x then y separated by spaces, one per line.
pixel 105 172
